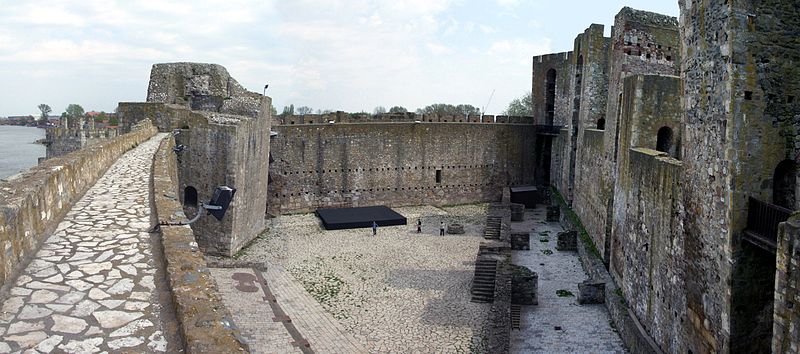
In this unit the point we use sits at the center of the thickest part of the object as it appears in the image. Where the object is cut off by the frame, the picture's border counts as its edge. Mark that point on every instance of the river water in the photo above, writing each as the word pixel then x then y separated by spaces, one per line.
pixel 17 150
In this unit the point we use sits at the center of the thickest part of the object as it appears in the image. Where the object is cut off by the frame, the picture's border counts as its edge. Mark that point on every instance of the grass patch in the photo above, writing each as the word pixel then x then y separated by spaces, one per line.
pixel 576 221
pixel 564 293
pixel 544 240
pixel 547 252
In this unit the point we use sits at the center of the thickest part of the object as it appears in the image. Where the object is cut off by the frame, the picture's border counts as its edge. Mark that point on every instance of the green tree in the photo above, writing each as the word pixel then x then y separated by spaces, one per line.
pixel 398 109
pixel 288 111
pixel 113 121
pixel 448 109
pixel 303 110
pixel 44 117
pixel 75 111
pixel 521 106
pixel 379 110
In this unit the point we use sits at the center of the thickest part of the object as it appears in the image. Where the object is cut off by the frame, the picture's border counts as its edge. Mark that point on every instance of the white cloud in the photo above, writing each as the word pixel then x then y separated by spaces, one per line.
pixel 438 49
pixel 519 50
pixel 487 29
pixel 507 3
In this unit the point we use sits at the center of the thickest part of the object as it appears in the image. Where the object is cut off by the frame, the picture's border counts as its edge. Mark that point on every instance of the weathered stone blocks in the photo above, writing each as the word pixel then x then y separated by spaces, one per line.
pixel 553 213
pixel 567 241
pixel 455 229
pixel 520 241
pixel 591 292
pixel 524 286
pixel 517 212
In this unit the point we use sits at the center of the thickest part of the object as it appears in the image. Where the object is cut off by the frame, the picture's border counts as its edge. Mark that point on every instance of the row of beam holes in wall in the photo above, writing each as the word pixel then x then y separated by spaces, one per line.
pixel 638 52
pixel 389 189
pixel 430 121
pixel 748 95
pixel 390 169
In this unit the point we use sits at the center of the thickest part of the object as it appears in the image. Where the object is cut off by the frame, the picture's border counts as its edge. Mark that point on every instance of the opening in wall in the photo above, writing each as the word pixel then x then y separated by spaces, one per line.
pixel 601 124
pixel 190 197
pixel 438 176
pixel 664 142
pixel 784 184
pixel 550 96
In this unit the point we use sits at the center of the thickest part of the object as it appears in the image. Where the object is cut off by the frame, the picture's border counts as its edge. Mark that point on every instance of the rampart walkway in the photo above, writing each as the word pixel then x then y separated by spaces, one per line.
pixel 94 284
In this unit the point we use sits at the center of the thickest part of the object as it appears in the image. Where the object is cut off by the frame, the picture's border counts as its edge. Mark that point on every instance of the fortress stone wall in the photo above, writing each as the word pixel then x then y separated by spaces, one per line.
pixel 61 141
pixel 224 130
pixel 674 186
pixel 397 164
pixel 344 117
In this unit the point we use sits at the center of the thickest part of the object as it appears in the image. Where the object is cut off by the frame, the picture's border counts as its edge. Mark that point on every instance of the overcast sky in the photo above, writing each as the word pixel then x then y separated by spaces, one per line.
pixel 349 55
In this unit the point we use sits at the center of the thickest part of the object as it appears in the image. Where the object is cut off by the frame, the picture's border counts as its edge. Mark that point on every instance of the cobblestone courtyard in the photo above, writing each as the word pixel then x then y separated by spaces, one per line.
pixel 397 292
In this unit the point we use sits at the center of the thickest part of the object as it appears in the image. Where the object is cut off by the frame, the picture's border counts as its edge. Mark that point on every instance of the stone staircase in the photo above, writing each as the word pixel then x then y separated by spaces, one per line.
pixel 492 231
pixel 516 312
pixel 483 281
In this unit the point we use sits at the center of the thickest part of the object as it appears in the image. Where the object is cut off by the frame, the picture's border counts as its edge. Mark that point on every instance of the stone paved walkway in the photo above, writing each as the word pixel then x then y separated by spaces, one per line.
pixel 265 329
pixel 93 286
pixel 558 324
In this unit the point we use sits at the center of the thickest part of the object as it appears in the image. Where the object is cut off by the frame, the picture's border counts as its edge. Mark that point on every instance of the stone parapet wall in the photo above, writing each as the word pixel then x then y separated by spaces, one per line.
pixel 62 141
pixel 204 321
pixel 648 244
pixel 592 190
pixel 343 165
pixel 166 117
pixel 786 328
pixel 32 204
pixel 344 117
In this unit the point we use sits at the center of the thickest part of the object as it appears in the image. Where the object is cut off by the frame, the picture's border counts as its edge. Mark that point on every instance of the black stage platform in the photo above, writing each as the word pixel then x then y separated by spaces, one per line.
pixel 353 218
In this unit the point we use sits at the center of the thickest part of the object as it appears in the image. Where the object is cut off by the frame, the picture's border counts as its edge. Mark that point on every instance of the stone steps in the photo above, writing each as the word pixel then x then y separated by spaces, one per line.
pixel 483 280
pixel 492 231
pixel 516 311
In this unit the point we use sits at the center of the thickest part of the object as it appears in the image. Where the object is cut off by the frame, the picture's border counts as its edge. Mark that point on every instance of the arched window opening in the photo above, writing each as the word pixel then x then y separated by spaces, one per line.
pixel 664 142
pixel 601 124
pixel 550 96
pixel 784 184
pixel 190 197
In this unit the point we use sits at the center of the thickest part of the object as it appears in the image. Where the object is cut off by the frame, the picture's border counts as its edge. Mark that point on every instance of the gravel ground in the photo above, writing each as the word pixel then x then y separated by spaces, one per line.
pixel 397 292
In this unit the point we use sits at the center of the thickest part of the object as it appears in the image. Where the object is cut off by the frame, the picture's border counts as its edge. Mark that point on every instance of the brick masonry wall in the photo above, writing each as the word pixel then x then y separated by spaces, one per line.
pixel 396 164
pixel 32 205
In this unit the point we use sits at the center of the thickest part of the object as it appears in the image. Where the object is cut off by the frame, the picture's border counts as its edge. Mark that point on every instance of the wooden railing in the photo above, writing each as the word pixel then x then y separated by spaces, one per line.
pixel 762 222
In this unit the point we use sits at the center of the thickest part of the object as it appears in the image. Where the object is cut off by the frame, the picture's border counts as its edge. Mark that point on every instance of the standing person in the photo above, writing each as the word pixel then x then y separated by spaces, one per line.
pixel 441 228
pixel 419 226
pixel 374 228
